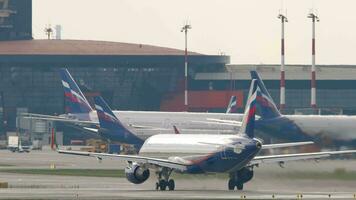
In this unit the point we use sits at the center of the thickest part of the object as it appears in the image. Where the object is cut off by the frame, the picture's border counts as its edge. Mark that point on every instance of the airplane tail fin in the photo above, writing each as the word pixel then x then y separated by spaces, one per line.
pixel 232 107
pixel 111 126
pixel 75 100
pixel 248 121
pixel 266 104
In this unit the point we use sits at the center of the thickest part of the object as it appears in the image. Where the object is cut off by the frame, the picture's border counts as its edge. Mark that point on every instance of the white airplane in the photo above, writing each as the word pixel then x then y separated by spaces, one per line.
pixel 336 130
pixel 236 154
pixel 143 123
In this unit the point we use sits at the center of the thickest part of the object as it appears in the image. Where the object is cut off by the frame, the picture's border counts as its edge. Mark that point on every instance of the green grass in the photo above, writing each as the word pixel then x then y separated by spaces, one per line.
pixel 5 165
pixel 337 174
pixel 70 172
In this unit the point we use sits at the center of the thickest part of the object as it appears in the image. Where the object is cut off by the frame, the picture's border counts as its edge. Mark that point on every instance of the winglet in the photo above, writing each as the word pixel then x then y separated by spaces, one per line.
pixel 232 107
pixel 268 107
pixel 74 98
pixel 248 121
pixel 110 125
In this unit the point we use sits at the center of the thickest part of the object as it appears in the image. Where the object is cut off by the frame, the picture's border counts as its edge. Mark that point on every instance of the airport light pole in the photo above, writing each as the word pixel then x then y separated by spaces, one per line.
pixel 314 18
pixel 185 29
pixel 283 83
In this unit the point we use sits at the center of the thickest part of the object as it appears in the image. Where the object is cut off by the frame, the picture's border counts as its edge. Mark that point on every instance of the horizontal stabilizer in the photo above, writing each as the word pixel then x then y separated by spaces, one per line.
pixel 295 157
pixel 94 130
pixel 61 119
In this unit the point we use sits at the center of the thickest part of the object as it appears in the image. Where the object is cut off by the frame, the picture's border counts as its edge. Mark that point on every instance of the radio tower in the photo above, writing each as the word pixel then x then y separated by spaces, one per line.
pixel 283 83
pixel 185 29
pixel 314 18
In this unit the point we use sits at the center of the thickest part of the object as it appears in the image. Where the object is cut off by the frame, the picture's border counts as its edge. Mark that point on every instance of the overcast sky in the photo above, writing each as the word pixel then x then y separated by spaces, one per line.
pixel 247 30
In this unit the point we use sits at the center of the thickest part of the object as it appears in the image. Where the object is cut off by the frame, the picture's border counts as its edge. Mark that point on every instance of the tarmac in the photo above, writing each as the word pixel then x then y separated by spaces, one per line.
pixel 268 182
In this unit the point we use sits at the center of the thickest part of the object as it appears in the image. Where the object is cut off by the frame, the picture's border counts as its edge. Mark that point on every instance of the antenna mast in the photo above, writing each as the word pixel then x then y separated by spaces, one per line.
pixel 283 19
pixel 314 18
pixel 185 29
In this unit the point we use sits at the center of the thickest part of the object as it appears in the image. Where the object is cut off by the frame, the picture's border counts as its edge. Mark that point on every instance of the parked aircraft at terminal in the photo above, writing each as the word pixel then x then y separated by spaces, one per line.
pixel 195 153
pixel 143 123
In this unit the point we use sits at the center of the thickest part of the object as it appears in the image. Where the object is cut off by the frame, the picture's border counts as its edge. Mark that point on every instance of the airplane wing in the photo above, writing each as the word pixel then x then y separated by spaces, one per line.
pixel 265 146
pixel 237 123
pixel 132 158
pixel 57 119
pixel 281 145
pixel 147 127
pixel 219 123
pixel 94 130
pixel 294 157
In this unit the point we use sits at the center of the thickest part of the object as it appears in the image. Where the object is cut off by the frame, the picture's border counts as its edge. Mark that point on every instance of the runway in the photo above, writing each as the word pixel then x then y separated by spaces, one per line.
pixel 269 182
pixel 67 187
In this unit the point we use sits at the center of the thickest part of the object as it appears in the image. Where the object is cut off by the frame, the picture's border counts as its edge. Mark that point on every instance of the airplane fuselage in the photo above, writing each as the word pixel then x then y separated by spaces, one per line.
pixel 147 123
pixel 323 129
pixel 204 153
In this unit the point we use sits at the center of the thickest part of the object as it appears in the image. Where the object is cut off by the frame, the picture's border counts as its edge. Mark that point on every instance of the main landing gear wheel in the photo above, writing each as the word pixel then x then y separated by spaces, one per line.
pixel 163 180
pixel 240 186
pixel 231 184
pixel 171 184
pixel 235 183
pixel 162 185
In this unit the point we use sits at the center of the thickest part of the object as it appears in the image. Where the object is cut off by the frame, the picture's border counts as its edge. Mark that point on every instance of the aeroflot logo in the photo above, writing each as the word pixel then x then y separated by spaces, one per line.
pixel 251 109
pixel 73 96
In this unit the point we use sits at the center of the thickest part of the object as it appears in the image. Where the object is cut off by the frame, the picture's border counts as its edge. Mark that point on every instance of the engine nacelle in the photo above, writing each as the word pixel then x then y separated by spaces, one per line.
pixel 136 174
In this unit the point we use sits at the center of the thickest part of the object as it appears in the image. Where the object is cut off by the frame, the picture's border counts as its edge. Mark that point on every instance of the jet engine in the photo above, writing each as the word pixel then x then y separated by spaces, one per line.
pixel 136 174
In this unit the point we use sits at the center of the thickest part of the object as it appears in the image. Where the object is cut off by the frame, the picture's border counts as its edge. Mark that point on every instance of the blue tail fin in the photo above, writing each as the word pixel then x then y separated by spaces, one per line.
pixel 111 126
pixel 232 107
pixel 265 102
pixel 248 121
pixel 76 103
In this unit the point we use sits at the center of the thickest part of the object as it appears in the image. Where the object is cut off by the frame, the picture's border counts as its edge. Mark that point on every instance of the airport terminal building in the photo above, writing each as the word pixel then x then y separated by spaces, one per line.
pixel 335 85
pixel 128 76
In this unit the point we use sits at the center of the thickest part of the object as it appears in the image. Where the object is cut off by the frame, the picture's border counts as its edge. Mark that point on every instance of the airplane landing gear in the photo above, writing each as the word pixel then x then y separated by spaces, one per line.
pixel 235 183
pixel 240 177
pixel 163 180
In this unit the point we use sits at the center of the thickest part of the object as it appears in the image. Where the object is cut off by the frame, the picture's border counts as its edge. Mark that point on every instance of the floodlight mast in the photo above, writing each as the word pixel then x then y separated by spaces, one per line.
pixel 314 18
pixel 185 29
pixel 283 19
